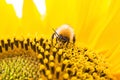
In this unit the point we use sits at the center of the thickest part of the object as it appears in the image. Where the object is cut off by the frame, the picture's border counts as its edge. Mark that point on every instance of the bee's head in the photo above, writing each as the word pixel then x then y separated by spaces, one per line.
pixel 63 38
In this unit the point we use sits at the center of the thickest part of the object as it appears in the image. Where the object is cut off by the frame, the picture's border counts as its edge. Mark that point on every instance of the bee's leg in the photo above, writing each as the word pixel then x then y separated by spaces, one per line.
pixel 53 35
pixel 74 39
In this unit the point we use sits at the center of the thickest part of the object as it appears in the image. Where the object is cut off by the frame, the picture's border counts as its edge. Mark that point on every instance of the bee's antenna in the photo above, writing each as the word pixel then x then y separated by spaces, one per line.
pixel 56 33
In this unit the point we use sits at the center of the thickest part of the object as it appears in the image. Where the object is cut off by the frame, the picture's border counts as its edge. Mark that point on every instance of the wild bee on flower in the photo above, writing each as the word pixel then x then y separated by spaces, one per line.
pixel 64 34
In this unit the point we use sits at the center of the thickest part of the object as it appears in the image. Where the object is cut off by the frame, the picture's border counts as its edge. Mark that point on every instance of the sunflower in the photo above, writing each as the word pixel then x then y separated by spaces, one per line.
pixel 27 51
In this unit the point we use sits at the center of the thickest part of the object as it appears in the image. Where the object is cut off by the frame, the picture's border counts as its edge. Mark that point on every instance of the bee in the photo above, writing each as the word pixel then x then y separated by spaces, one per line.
pixel 64 34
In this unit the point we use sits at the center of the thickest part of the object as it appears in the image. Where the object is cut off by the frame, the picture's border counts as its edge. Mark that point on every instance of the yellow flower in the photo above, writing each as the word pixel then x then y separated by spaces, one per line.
pixel 96 24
